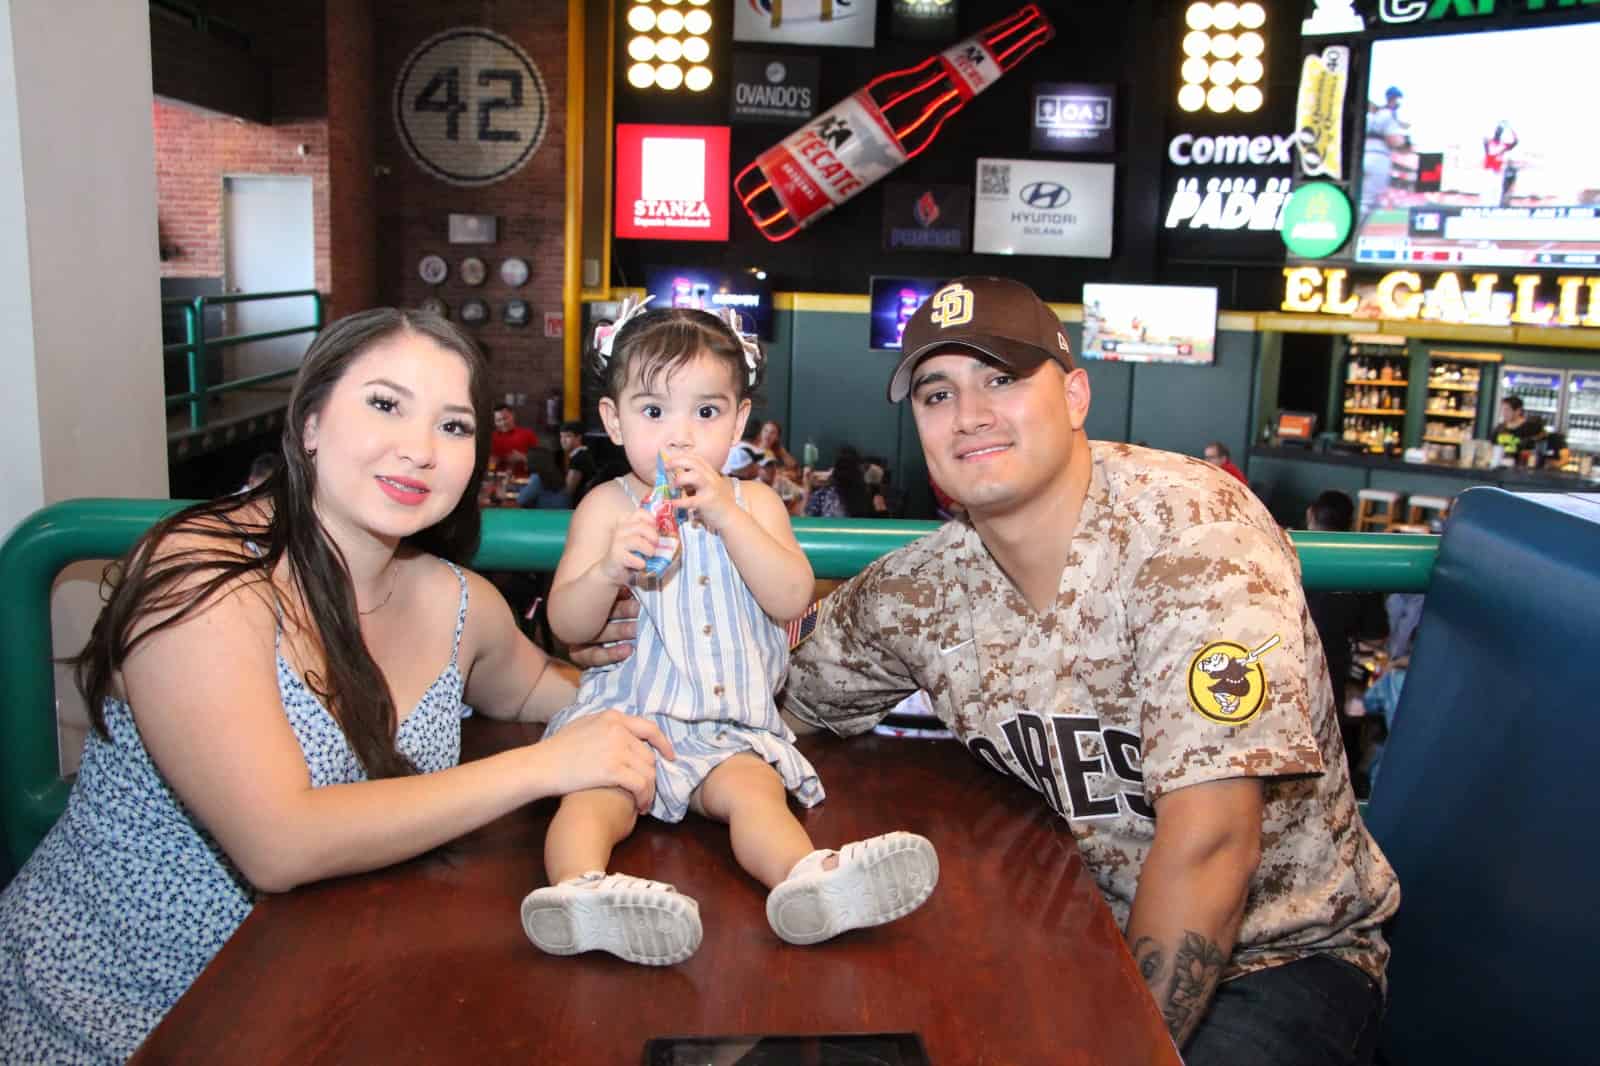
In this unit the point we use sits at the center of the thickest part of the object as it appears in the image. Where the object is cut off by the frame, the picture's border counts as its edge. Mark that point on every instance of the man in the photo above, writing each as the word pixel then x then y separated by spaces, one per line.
pixel 1386 134
pixel 579 477
pixel 1059 630
pixel 1217 454
pixel 1517 431
pixel 510 442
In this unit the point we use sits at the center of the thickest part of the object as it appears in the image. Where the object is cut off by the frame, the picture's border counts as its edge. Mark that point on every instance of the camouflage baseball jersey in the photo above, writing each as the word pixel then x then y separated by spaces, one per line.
pixel 1179 651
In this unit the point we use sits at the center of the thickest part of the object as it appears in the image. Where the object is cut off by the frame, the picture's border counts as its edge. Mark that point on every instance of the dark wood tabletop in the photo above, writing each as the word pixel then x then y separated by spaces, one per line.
pixel 1015 958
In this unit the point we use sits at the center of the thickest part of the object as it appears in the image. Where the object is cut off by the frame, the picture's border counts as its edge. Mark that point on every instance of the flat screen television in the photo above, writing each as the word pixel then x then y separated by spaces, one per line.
pixel 1149 323
pixel 712 290
pixel 891 303
pixel 1297 426
pixel 1478 150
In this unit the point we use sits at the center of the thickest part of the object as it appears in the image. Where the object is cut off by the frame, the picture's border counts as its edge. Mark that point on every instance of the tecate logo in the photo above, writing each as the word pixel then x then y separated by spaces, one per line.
pixel 1045 195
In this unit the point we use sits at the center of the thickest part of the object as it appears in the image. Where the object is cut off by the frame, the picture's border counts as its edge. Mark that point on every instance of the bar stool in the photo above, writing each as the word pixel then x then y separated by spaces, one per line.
pixel 1422 510
pixel 1369 518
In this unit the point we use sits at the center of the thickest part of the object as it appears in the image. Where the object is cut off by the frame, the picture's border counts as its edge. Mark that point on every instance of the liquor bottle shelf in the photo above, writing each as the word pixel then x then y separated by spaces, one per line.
pixel 1396 411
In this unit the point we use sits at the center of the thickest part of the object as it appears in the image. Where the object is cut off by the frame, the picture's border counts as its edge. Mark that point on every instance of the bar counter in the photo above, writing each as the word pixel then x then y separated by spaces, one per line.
pixel 1015 958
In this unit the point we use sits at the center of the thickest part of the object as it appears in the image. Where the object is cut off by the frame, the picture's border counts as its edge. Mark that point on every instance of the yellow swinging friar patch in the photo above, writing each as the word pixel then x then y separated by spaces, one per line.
pixel 1227 683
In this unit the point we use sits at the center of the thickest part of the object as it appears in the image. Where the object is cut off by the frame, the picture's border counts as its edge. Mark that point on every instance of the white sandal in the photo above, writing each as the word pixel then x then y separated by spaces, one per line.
pixel 647 922
pixel 877 880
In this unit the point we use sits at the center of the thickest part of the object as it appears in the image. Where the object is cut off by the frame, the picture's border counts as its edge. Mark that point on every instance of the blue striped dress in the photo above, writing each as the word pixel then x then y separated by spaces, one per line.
pixel 704 669
pixel 128 896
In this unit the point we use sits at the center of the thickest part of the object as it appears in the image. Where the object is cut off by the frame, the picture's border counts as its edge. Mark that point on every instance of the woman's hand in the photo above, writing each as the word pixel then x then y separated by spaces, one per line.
pixel 633 540
pixel 615 641
pixel 709 494
pixel 609 749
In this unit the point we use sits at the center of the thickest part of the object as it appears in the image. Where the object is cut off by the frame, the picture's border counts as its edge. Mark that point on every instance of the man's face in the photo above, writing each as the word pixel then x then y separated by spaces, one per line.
pixel 569 441
pixel 1508 413
pixel 504 421
pixel 1213 457
pixel 994 439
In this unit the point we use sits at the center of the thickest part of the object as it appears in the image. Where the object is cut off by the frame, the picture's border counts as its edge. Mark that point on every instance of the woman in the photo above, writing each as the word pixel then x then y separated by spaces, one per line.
pixel 770 443
pixel 276 684
pixel 847 494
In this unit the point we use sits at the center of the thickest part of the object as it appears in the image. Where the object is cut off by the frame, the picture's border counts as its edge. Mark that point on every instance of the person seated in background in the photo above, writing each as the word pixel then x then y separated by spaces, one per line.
pixel 1216 454
pixel 1342 618
pixel 744 460
pixel 789 491
pixel 875 473
pixel 1519 432
pixel 769 439
pixel 510 444
pixel 846 493
pixel 944 507
pixel 580 474
pixel 264 466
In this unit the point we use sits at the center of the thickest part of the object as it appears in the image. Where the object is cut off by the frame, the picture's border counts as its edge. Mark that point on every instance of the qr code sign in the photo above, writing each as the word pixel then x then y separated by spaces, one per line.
pixel 994 179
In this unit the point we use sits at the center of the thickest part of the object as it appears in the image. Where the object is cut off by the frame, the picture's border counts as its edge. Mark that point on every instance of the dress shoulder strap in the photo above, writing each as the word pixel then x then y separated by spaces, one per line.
pixel 461 611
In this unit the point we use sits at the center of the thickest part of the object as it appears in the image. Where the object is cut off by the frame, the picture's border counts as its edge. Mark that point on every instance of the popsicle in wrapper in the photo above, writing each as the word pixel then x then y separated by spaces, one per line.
pixel 662 503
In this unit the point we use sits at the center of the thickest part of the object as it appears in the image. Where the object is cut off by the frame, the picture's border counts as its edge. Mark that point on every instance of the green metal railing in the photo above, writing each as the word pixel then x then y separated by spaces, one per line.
pixel 196 345
pixel 32 793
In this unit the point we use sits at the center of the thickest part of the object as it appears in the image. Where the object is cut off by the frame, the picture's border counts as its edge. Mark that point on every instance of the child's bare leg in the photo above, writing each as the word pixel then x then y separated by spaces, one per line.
pixel 584 910
pixel 747 793
pixel 585 829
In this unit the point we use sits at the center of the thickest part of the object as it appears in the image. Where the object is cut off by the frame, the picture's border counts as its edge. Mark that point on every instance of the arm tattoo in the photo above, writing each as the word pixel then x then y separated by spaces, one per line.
pixel 1195 969
pixel 1149 957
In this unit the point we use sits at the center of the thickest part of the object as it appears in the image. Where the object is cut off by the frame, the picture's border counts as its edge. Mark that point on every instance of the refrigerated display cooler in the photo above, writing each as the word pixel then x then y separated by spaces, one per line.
pixel 1580 422
pixel 1541 390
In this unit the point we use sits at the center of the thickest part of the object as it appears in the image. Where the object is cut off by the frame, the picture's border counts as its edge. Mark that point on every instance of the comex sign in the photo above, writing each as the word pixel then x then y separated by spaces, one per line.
pixel 1229 202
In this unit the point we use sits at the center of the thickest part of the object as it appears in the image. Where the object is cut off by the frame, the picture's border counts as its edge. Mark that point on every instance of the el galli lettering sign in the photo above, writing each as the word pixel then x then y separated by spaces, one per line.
pixel 1402 295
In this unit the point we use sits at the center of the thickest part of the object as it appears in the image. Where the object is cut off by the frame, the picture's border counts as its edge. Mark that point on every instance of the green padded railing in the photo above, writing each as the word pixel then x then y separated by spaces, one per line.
pixel 32 793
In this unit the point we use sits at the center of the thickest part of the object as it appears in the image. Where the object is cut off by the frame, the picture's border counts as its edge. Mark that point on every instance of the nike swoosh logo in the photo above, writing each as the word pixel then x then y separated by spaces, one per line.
pixel 956 647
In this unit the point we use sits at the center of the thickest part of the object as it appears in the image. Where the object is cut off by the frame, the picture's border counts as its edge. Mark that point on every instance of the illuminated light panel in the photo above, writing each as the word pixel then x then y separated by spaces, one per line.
pixel 699 3
pixel 1249 70
pixel 1224 46
pixel 1247 98
pixel 1191 98
pixel 641 49
pixel 642 19
pixel 1252 16
pixel 1197 43
pixel 698 79
pixel 1219 99
pixel 641 75
pixel 697 22
pixel 670 21
pixel 1198 17
pixel 1225 16
pixel 696 50
pixel 669 76
pixel 671 3
pixel 669 50
pixel 1222 72
pixel 1196 70
pixel 1251 44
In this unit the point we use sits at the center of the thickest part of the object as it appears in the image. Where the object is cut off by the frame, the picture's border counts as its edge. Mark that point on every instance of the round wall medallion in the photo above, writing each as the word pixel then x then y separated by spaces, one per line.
pixel 473 271
pixel 516 313
pixel 474 311
pixel 433 269
pixel 435 306
pixel 514 272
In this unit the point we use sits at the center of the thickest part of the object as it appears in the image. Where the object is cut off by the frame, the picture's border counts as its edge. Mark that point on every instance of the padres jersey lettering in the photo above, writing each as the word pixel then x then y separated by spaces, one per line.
pixel 1177 653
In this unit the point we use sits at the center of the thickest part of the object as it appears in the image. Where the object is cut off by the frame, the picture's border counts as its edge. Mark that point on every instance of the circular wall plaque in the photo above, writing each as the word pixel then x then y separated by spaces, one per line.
pixel 514 272
pixel 470 106
pixel 435 306
pixel 516 313
pixel 433 269
pixel 473 271
pixel 474 311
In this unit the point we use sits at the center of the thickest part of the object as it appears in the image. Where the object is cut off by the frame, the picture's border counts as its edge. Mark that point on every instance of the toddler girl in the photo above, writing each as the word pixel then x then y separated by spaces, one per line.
pixel 710 653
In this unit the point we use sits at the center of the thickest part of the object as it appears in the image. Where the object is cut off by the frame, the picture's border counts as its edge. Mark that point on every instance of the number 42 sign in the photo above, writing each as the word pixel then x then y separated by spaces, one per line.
pixel 470 106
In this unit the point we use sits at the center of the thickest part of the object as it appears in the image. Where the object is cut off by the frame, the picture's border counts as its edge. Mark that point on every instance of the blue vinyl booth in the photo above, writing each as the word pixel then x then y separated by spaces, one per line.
pixel 1489 796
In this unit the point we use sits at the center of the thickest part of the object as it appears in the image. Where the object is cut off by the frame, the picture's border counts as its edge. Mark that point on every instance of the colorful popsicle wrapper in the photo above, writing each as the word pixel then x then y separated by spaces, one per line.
pixel 662 503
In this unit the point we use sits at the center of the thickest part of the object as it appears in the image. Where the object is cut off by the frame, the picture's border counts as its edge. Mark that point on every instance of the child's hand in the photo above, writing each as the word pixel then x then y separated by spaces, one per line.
pixel 710 495
pixel 632 541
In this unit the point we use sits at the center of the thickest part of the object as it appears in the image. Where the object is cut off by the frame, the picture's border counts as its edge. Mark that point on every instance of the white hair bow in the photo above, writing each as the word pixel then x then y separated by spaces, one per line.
pixel 605 335
pixel 753 355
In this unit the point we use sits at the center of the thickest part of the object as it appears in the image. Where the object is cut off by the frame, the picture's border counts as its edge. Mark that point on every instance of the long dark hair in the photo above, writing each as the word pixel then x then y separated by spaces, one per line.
pixel 850 483
pixel 147 582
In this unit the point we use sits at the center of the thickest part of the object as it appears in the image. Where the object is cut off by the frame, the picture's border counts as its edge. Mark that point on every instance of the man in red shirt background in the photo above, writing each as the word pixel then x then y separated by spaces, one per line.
pixel 511 443
pixel 1217 455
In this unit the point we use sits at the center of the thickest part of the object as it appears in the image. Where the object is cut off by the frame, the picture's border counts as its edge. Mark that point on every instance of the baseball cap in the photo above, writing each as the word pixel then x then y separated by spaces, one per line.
pixel 997 317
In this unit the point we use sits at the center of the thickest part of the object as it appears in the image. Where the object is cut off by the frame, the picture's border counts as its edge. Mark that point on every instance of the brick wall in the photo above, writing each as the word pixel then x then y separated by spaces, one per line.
pixel 413 206
pixel 353 119
pixel 196 149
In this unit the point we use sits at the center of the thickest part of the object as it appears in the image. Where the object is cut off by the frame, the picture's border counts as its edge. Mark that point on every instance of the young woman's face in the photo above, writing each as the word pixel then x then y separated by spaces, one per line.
pixel 696 409
pixel 770 432
pixel 395 443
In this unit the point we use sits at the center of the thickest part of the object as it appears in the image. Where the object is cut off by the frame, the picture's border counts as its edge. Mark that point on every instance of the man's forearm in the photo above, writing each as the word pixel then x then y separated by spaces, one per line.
pixel 1185 921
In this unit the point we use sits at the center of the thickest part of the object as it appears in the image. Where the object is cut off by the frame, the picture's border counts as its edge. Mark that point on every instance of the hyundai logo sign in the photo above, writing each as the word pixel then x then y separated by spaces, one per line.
pixel 1045 195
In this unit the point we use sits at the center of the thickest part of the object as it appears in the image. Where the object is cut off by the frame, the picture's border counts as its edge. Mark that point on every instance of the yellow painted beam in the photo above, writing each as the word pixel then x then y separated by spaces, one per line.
pixel 572 258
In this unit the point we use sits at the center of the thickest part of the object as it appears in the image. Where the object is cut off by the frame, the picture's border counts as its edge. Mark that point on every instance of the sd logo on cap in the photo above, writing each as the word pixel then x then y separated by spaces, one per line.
pixel 996 317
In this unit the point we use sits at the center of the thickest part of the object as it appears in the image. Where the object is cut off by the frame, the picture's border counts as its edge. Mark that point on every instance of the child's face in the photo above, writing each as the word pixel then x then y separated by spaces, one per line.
pixel 696 409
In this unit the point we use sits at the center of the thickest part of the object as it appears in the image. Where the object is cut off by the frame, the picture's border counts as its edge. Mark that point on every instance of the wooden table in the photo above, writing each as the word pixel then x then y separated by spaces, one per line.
pixel 1015 959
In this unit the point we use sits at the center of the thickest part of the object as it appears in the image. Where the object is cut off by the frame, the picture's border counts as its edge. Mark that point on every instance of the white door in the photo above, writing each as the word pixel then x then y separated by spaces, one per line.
pixel 267 246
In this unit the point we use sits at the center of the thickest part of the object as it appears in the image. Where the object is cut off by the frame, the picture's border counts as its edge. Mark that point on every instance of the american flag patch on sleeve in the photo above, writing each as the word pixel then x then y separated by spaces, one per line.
pixel 802 627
